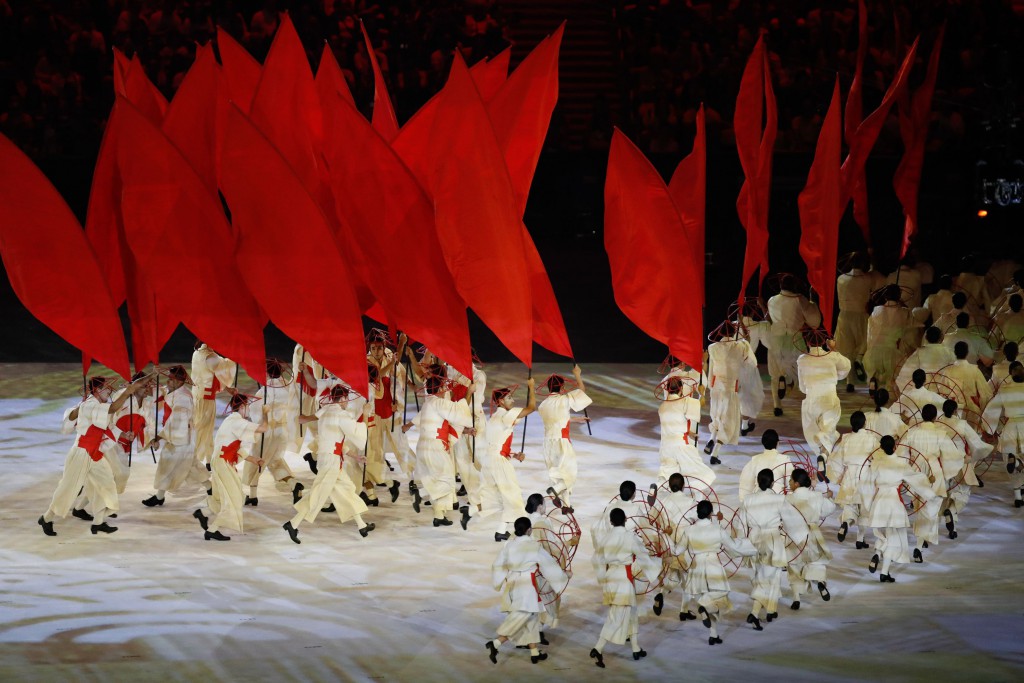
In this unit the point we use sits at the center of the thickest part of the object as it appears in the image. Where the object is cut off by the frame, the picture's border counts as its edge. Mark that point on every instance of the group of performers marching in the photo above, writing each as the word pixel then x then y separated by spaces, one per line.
pixel 946 390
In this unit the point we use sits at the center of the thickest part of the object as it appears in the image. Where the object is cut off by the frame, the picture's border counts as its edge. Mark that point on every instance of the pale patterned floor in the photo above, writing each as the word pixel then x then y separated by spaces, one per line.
pixel 413 603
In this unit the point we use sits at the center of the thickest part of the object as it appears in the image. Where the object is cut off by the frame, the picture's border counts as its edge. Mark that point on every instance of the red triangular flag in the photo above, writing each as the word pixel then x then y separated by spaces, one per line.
pixel 688 189
pixel 490 74
pixel 241 71
pixel 330 79
pixel 384 120
pixel 191 121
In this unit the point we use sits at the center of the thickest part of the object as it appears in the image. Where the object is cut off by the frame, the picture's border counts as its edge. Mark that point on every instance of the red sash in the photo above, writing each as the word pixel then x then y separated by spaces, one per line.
pixel 211 392
pixel 382 406
pixel 167 414
pixel 444 433
pixel 565 432
pixel 339 450
pixel 506 448
pixel 533 577
pixel 629 571
pixel 230 452
pixel 92 439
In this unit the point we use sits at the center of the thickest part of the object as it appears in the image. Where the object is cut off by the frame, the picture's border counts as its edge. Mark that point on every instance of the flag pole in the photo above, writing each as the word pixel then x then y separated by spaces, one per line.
pixel 522 446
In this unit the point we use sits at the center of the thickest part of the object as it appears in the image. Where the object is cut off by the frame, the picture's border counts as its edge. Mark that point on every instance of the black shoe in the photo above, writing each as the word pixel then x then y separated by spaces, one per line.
pixel 705 617
pixel 1018 503
pixel 850 388
pixel 105 528
pixel 416 500
pixel 329 508
pixel 82 514
pixel 394 489
pixel 750 428
pixel 687 616
pixel 498 538
pixel 412 486
pixel 216 536
pixel 209 491
pixel 822 470
pixel 203 521
pixel 885 578
pixel 918 558
pixel 292 531
pixel 710 446
pixel 795 605
pixel 772 616
pixel 443 522
pixel 308 457
pixel 638 654
pixel 370 502
pixel 823 589
pixel 781 388
pixel 714 641
pixel 543 640
pixel 538 658
pixel 492 652
pixel 153 501
pixel 365 531
pixel 296 492
pixel 252 501
pixel 209 468
pixel 844 529
pixel 659 602
pixel 981 484
pixel 858 371
pixel 47 527
pixel 112 516
pixel 715 461
pixel 594 654
pixel 465 517
pixel 924 544
pixel 461 491
pixel 861 545
pixel 1011 464
pixel 751 619
pixel 777 412
pixel 873 564
pixel 951 525
pixel 390 466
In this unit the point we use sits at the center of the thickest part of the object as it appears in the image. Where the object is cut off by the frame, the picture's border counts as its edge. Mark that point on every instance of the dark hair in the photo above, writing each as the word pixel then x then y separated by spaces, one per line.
pixel 919 377
pixel 881 398
pixel 770 439
pixel 945 281
pixel 1010 350
pixel 274 369
pixel 858 420
pixel 237 402
pixel 893 293
pixel 963 320
pixel 617 517
pixel 704 509
pixel 626 490
pixel 177 372
pixel 888 444
pixel 959 299
pixel 522 526
pixel 1016 301
pixel 676 482
pixel 674 385
pixel 929 412
pixel 498 395
pixel 949 407
pixel 434 384
pixel 765 479
pixel 555 384
pixel 933 335
pixel 533 502
pixel 960 350
pixel 96 383
pixel 802 478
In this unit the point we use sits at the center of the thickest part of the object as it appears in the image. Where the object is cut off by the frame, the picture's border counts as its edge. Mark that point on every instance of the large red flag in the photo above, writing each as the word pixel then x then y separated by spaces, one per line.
pixel 384 120
pixel 51 267
pixel 755 146
pixel 478 221
pixel 273 213
pixel 330 79
pixel 490 74
pixel 191 121
pixel 688 189
pixel 821 209
pixel 141 91
pixel 521 111
pixel 178 232
pixel 121 65
pixel 907 180
pixel 240 69
pixel 854 116
pixel 646 244
pixel 379 198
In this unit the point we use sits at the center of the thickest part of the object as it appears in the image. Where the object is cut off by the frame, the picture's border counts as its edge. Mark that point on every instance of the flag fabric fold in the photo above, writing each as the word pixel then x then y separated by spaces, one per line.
pixel 240 69
pixel 688 189
pixel 191 121
pixel 384 120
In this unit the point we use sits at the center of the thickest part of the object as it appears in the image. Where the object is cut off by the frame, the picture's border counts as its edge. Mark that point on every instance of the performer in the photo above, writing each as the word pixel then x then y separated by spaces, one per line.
pixel 278 404
pixel 939 302
pixel 1011 322
pixel 467 464
pixel 811 566
pixel 131 423
pixel 1008 405
pixel 852 451
pixel 85 465
pixel 438 418
pixel 559 454
pixel 886 513
pixel 706 578
pixel 679 414
pixel 931 357
pixel 818 371
pixel 968 378
pixel 544 533
pixel 789 312
pixel 727 355
pixel 339 435
pixel 884 421
pixel 211 374
pixel 178 466
pixel 233 442
pixel 971 448
pixel 853 289
pixel 933 443
pixel 916 397
pixel 500 490
pixel 309 402
pixel 620 559
pixel 1001 370
pixel 385 431
pixel 766 514
pixel 979 350
pixel 886 328
pixel 681 513
pixel 770 459
pixel 515 571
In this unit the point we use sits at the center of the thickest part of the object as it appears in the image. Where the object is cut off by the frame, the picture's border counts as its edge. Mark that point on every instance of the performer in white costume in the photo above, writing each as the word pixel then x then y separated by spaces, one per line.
pixel 790 313
pixel 847 465
pixel 278 406
pixel 680 510
pixel 932 356
pixel 559 454
pixel 726 359
pixel 770 459
pixel 883 420
pixel 679 415
pixel 811 566
pixel 211 374
pixel 853 290
pixel 931 441
pixel 971 448
pixel 500 490
pixel 1008 405
pixel 178 467
pixel 886 328
pixel 818 371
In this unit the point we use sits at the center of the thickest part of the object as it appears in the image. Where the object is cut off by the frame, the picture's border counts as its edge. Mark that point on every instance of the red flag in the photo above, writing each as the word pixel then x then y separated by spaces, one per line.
pixel 176 228
pixel 854 116
pixel 490 74
pixel 548 326
pixel 50 265
pixel 688 189
pixel 755 147
pixel 821 209
pixel 241 71
pixel 273 213
pixel 644 236
pixel 907 180
pixel 330 79
pixel 141 91
pixel 192 122
pixel 384 120
pixel 121 65
pixel 379 198
pixel 521 112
